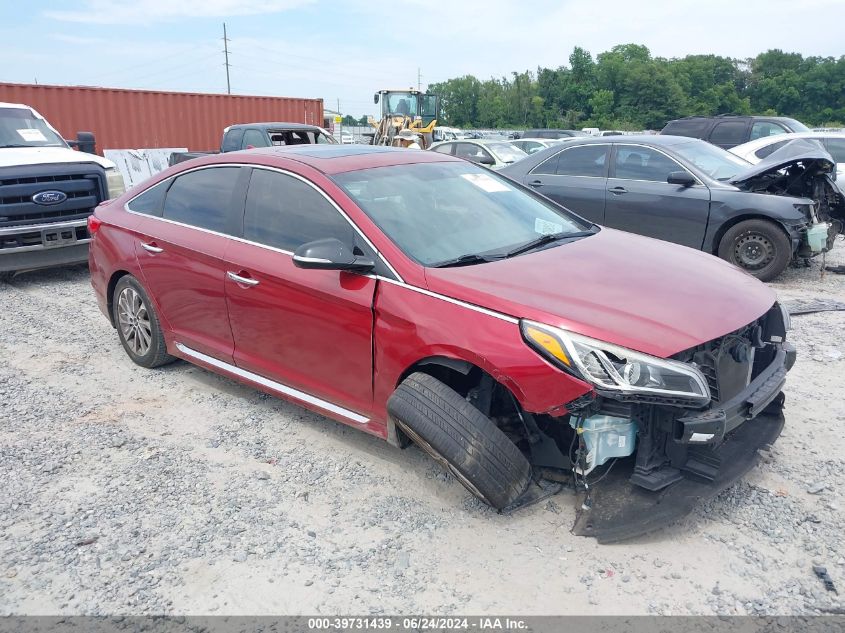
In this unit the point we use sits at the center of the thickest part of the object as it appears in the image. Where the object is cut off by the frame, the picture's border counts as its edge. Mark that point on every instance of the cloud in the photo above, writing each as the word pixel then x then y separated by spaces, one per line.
pixel 149 11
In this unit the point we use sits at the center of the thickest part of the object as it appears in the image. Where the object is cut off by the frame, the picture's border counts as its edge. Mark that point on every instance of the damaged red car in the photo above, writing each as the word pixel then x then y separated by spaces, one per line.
pixel 424 299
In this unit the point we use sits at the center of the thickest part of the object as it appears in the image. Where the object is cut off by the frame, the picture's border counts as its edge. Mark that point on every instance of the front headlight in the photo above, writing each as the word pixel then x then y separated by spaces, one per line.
pixel 615 369
pixel 114 183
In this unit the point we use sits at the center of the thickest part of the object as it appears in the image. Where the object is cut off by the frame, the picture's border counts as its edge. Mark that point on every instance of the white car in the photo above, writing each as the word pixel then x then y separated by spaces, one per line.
pixel 346 138
pixel 757 150
pixel 493 154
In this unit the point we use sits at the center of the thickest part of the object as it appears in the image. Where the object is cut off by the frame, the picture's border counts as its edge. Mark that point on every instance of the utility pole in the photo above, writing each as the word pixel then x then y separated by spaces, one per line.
pixel 419 79
pixel 226 64
pixel 340 125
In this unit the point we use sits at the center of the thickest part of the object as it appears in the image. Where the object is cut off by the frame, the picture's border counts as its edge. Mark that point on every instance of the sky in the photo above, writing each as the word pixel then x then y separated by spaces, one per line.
pixel 348 49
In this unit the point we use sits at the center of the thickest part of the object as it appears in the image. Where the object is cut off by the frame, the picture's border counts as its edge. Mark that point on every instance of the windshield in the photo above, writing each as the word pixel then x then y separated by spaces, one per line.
pixel 713 161
pixel 437 212
pixel 19 127
pixel 402 103
pixel 506 152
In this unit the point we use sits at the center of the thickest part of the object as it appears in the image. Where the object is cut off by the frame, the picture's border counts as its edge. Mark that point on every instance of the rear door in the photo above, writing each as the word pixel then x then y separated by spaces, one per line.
pixel 728 134
pixel 181 249
pixel 307 329
pixel 576 178
pixel 640 200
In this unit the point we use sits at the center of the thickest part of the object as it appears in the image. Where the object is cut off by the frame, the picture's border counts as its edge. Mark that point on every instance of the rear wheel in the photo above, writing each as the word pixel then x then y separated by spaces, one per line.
pixel 759 247
pixel 138 325
pixel 461 438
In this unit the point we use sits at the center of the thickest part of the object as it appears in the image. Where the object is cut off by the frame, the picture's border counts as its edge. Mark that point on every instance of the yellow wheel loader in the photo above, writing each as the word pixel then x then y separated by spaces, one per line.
pixel 407 118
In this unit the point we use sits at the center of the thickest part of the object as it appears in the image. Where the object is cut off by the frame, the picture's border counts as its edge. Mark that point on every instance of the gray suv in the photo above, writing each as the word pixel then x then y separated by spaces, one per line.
pixel 687 191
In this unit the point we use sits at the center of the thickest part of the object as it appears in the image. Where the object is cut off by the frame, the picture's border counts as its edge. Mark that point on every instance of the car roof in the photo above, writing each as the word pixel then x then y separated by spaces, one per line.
pixel 271 126
pixel 333 159
pixel 654 140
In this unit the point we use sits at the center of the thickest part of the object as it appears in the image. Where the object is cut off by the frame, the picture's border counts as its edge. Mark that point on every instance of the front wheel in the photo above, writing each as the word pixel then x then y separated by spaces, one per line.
pixel 759 247
pixel 461 438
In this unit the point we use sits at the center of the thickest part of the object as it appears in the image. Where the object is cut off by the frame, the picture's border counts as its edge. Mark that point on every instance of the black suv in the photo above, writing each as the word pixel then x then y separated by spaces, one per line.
pixel 728 130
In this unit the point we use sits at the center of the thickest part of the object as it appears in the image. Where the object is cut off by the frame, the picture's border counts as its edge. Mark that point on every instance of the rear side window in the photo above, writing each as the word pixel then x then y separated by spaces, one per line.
pixel 728 133
pixel 643 163
pixel 586 160
pixel 836 147
pixel 232 140
pixel 285 212
pixel 694 128
pixel 149 202
pixel 205 199
pixel 770 149
pixel 762 129
pixel 444 149
pixel 254 138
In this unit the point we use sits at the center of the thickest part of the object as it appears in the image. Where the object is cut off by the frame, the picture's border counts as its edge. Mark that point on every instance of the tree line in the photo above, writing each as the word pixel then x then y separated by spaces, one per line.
pixel 627 88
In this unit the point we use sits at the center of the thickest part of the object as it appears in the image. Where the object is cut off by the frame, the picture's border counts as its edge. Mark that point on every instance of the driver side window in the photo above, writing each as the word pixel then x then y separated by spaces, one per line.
pixel 285 213
pixel 643 163
pixel 471 152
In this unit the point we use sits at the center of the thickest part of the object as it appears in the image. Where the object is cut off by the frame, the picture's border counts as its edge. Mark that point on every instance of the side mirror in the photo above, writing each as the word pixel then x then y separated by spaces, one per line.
pixel 683 178
pixel 484 160
pixel 375 98
pixel 330 254
pixel 84 142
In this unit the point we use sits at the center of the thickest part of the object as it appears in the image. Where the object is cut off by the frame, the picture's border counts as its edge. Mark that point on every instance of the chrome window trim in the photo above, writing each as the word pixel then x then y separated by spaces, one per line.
pixel 458 302
pixel 566 148
pixel 275 386
pixel 245 241
pixel 659 151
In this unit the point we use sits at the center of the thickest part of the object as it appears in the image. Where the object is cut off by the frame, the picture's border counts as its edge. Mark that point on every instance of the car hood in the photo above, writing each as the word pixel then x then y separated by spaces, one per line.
pixel 808 152
pixel 641 293
pixel 19 156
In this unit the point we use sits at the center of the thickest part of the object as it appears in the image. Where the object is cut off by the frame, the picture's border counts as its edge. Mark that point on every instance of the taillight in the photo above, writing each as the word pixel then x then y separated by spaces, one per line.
pixel 94 224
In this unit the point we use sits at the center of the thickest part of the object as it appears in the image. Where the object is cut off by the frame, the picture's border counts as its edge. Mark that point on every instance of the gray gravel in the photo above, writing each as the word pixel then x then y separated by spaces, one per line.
pixel 132 491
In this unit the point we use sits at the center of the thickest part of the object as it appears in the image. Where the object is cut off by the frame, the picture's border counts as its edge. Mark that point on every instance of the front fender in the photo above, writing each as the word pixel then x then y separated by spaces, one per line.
pixel 729 207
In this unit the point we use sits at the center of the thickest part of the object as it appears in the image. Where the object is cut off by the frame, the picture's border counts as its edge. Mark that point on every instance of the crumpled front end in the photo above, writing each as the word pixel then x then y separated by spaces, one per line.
pixel 683 453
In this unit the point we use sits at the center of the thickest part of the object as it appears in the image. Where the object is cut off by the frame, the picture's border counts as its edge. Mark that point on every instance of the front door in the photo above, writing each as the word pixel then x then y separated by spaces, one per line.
pixel 181 255
pixel 640 200
pixel 575 178
pixel 307 329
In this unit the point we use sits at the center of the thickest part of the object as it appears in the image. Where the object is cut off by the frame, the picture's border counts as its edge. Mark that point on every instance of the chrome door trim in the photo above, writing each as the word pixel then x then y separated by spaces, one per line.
pixel 273 385
pixel 246 281
pixel 355 227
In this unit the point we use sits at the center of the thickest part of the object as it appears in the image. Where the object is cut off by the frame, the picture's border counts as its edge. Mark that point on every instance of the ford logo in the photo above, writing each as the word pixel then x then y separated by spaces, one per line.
pixel 49 197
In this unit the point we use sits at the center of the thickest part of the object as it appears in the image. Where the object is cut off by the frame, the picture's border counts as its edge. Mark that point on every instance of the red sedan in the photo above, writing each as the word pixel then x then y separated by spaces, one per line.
pixel 425 299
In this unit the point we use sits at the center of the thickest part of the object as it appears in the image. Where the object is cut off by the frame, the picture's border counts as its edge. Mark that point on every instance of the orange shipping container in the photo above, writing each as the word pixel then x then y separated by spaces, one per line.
pixel 136 119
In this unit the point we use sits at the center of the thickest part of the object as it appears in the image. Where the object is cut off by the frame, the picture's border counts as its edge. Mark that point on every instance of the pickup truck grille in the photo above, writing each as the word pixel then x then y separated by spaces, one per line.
pixel 82 184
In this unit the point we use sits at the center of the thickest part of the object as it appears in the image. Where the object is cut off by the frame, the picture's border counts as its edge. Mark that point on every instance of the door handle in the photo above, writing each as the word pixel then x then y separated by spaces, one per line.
pixel 246 281
pixel 151 247
pixel 536 183
pixel 617 190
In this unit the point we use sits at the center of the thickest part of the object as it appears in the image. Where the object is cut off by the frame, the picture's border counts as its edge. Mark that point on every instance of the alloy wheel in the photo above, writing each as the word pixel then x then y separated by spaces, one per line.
pixel 134 321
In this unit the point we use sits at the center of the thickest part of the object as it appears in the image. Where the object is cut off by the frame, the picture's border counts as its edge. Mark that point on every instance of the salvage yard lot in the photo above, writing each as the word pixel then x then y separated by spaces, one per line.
pixel 176 490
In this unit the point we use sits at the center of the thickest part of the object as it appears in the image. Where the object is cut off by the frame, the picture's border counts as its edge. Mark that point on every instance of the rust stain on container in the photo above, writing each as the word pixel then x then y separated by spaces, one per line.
pixel 135 119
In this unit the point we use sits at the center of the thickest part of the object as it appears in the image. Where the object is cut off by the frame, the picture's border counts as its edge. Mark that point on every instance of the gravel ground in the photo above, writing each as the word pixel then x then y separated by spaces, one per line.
pixel 129 491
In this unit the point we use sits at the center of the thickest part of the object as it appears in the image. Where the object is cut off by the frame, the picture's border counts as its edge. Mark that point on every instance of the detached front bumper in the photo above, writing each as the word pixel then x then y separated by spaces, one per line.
pixel 621 510
pixel 711 426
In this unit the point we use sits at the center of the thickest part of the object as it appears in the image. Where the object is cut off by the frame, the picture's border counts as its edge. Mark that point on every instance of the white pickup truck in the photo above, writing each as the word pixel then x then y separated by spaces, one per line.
pixel 47 191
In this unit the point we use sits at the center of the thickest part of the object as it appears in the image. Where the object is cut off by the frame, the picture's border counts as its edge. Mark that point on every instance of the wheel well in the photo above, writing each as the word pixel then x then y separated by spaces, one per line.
pixel 480 388
pixel 110 292
pixel 717 239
